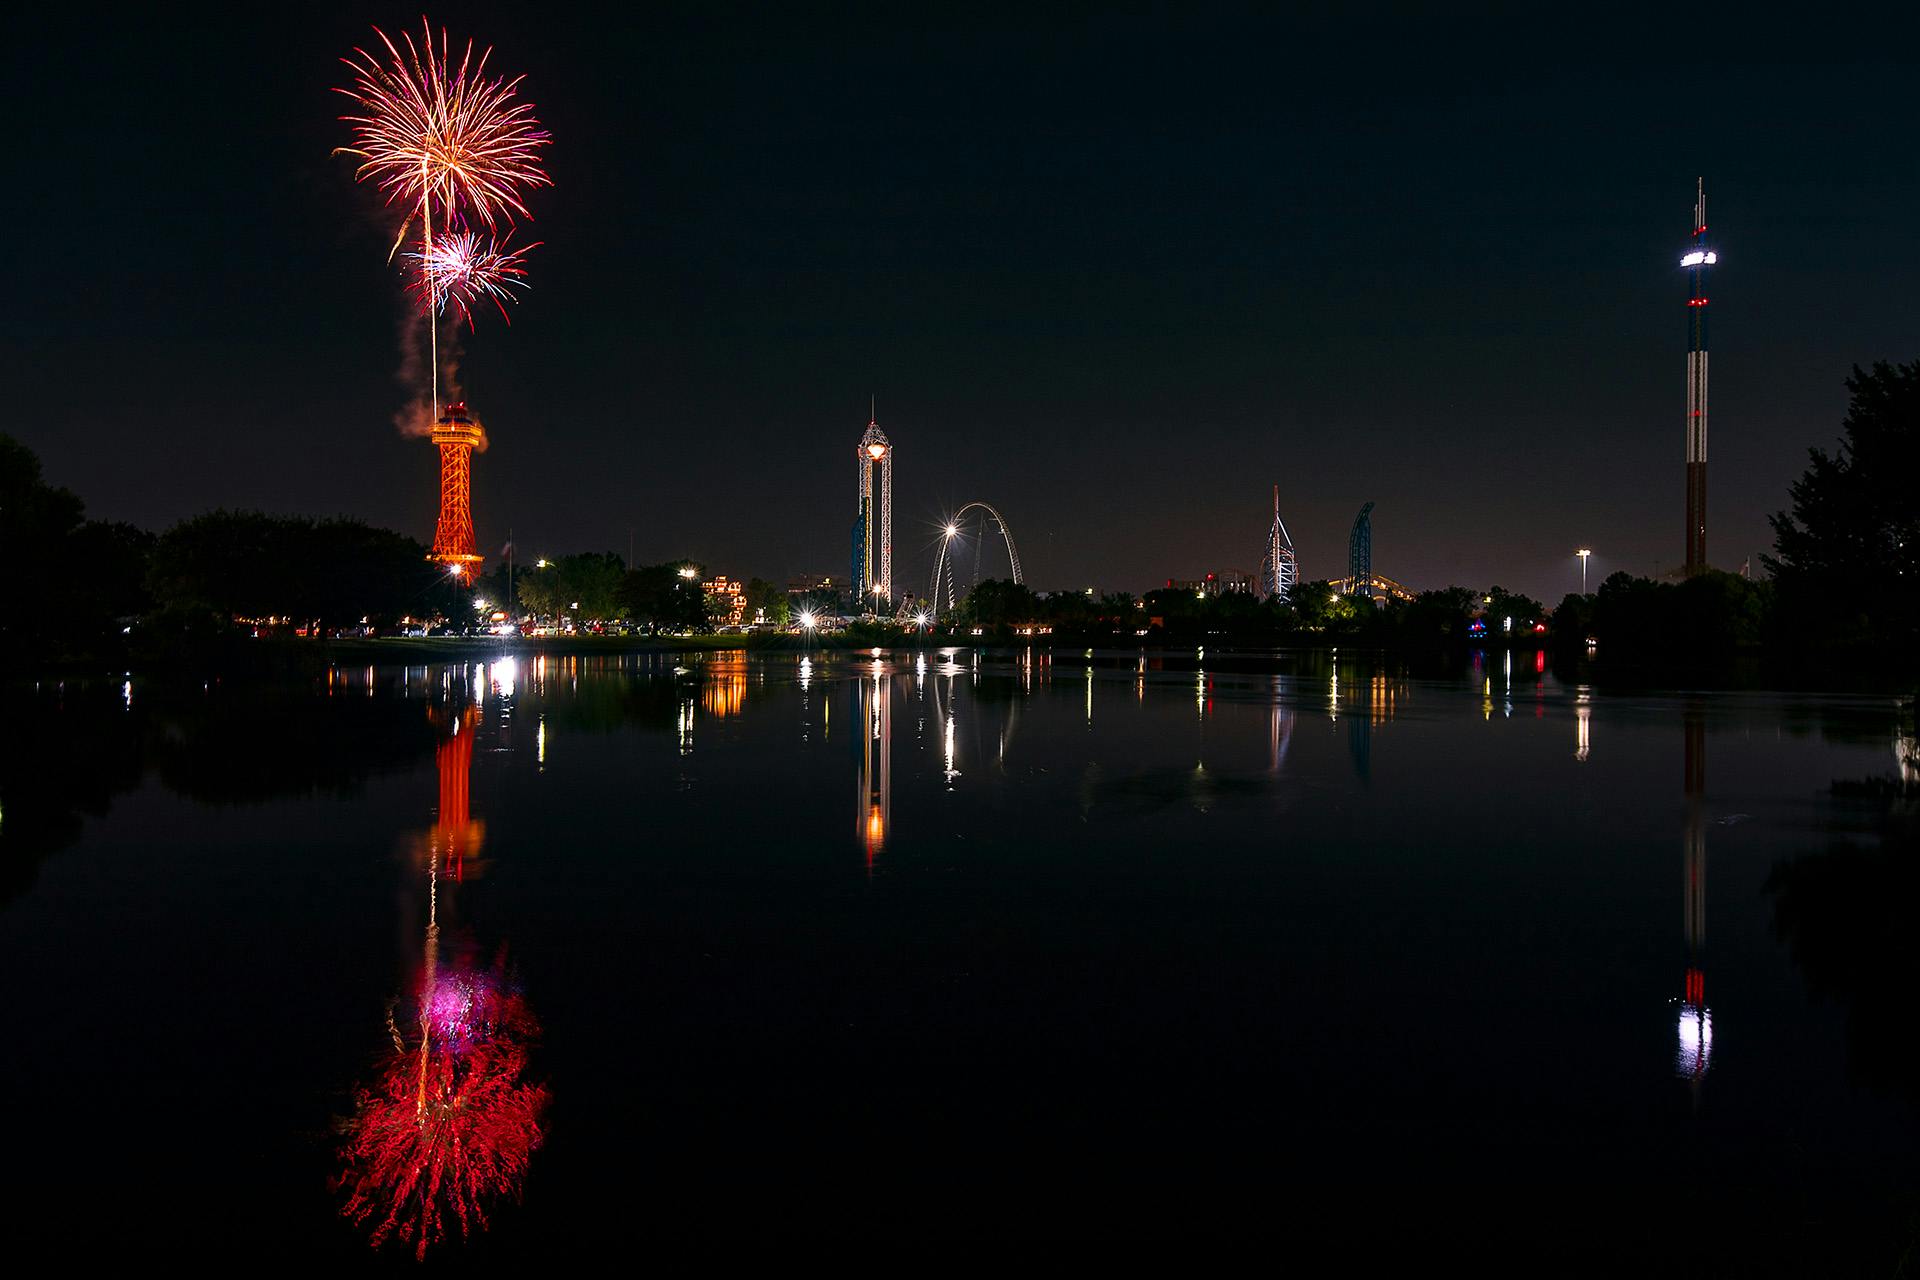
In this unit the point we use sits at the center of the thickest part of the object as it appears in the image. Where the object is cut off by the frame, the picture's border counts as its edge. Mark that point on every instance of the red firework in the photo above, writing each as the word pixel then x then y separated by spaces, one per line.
pixel 461 270
pixel 450 1123
pixel 441 138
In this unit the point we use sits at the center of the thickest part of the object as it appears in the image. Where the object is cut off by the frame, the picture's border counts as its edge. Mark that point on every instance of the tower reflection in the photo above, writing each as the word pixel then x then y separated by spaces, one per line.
pixel 450 1119
pixel 1383 694
pixel 1280 728
pixel 1695 1048
pixel 874 805
pixel 455 835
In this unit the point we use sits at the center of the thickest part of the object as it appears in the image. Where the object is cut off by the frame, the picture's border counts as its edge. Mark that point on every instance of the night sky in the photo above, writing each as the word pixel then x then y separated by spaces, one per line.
pixel 1114 275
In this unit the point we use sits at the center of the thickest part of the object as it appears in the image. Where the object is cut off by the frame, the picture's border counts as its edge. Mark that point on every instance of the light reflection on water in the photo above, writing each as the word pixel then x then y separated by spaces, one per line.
pixel 1218 905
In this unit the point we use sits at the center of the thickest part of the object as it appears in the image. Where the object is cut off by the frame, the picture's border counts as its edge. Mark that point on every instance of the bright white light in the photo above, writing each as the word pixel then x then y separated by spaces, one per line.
pixel 807 619
pixel 1696 1042
pixel 919 619
pixel 953 531
pixel 1700 258
pixel 689 571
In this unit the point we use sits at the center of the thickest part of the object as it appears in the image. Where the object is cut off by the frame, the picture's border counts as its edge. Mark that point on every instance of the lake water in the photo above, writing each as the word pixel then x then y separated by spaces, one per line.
pixel 954 943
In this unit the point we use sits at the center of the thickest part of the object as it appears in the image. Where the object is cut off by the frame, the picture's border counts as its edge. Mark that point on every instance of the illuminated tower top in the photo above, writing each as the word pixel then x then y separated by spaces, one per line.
pixel 456 426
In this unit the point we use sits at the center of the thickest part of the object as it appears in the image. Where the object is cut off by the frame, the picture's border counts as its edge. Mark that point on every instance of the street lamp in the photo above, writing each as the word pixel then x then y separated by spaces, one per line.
pixel 1583 553
pixel 688 571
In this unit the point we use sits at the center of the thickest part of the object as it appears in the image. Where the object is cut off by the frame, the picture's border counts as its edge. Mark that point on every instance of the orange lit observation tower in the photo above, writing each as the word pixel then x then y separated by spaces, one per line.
pixel 457 436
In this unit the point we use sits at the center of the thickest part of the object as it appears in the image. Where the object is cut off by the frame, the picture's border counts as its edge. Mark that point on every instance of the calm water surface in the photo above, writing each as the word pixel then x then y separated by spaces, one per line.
pixel 951 942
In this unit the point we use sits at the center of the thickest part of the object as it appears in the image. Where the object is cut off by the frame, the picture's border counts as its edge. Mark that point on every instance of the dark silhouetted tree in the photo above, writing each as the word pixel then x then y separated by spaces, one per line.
pixel 1847 555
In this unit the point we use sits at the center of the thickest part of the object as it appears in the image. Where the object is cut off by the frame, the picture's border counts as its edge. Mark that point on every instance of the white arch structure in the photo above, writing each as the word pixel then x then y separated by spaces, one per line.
pixel 943 565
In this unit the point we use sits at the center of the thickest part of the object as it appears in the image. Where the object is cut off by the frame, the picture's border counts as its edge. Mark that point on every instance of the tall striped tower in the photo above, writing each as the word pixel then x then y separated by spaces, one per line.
pixel 874 577
pixel 1699 261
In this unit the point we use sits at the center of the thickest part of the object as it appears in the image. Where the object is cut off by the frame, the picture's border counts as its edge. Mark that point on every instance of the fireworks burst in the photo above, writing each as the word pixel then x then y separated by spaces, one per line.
pixel 443 138
pixel 452 1120
pixel 461 269
pixel 447 139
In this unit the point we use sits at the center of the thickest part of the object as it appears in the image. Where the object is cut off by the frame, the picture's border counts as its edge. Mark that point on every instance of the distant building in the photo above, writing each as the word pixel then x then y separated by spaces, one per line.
pixel 726 601
pixel 1217 584
pixel 862 549
pixel 806 584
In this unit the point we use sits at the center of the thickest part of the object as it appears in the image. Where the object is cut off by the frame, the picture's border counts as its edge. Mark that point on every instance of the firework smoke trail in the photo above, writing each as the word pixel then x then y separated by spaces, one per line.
pixel 437 134
pixel 433 321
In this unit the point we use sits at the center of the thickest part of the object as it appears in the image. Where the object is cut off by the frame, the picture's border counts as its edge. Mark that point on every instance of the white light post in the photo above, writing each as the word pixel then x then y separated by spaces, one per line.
pixel 1583 553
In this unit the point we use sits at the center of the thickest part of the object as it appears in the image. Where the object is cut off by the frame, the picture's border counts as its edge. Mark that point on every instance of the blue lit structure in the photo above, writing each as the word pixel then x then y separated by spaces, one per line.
pixel 1360 548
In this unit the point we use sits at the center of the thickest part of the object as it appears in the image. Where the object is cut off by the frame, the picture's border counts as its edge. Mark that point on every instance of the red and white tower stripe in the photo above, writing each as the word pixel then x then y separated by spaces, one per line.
pixel 1699 261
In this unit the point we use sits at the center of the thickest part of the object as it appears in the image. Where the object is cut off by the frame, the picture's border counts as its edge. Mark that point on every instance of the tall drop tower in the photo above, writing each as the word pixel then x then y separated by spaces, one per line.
pixel 873 538
pixel 456 435
pixel 1699 261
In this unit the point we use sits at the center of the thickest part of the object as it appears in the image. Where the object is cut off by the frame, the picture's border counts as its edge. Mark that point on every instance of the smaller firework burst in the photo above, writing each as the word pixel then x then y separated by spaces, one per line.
pixel 462 269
